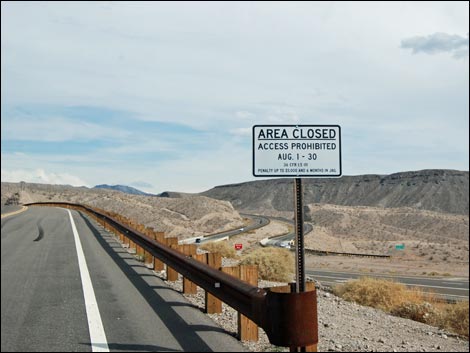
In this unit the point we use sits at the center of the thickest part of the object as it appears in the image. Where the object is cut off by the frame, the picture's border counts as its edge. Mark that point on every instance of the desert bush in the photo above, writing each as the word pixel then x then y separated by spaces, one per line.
pixel 454 317
pixel 274 264
pixel 422 312
pixel 221 247
pixel 373 292
pixel 412 304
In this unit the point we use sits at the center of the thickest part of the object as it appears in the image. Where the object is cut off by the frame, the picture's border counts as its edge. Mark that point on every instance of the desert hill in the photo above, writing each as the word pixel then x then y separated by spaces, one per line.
pixel 426 235
pixel 438 190
pixel 191 216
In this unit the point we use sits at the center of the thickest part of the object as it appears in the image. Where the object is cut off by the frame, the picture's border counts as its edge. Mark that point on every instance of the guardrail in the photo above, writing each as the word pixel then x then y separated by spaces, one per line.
pixel 323 252
pixel 289 319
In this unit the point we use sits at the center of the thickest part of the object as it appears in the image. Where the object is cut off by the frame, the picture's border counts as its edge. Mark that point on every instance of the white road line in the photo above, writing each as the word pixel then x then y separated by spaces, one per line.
pixel 342 280
pixel 389 276
pixel 334 277
pixel 95 325
pixel 396 278
pixel 427 286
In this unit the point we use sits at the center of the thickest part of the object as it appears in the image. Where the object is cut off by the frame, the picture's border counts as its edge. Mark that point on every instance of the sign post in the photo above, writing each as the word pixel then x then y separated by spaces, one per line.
pixel 297 151
pixel 299 237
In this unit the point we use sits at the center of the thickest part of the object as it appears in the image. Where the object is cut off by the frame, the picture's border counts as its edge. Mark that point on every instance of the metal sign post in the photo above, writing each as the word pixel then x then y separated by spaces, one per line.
pixel 299 236
pixel 298 151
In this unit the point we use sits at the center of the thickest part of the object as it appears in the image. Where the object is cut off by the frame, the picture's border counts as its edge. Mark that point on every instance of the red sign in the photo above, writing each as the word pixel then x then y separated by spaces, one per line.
pixel 238 246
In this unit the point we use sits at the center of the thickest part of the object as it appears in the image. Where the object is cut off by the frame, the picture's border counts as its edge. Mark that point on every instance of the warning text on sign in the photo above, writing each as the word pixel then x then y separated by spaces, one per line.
pixel 296 150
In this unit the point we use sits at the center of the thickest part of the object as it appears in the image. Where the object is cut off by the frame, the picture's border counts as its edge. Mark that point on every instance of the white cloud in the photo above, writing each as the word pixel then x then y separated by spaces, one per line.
pixel 438 43
pixel 222 68
pixel 141 184
pixel 244 115
pixel 41 176
pixel 242 131
pixel 55 129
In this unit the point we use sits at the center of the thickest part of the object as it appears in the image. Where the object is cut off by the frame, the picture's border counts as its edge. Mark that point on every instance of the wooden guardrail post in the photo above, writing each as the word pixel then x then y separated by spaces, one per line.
pixel 132 247
pixel 201 258
pixel 127 242
pixel 213 305
pixel 148 258
pixel 158 265
pixel 247 329
pixel 171 274
pixel 188 286
pixel 138 249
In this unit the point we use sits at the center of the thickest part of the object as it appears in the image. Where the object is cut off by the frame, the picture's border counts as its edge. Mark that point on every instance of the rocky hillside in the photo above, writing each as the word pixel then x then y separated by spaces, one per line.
pixel 191 216
pixel 428 235
pixel 435 190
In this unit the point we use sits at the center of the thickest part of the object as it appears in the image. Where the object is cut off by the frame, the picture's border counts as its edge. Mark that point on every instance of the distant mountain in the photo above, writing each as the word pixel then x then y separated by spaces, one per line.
pixel 123 188
pixel 434 189
pixel 175 194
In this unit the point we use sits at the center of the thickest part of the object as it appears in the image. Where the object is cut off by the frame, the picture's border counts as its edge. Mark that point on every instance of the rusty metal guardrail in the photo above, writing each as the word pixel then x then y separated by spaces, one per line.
pixel 289 319
pixel 324 252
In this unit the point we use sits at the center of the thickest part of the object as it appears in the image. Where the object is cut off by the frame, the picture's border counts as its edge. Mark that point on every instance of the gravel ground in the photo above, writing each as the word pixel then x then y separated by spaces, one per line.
pixel 347 327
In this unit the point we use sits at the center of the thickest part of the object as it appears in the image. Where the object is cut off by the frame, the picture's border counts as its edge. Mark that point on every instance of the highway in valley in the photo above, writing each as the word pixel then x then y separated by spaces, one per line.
pixel 68 285
pixel 446 287
pixel 255 223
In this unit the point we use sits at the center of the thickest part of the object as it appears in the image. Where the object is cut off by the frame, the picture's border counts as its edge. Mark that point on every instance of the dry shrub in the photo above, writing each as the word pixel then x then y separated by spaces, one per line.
pixel 274 264
pixel 221 247
pixel 377 293
pixel 451 317
pixel 422 312
pixel 454 317
pixel 412 304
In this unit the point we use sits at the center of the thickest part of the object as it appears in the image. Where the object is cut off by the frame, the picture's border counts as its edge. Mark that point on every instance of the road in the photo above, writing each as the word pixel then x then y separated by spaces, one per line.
pixel 447 287
pixel 48 305
pixel 8 211
pixel 277 240
pixel 11 208
pixel 257 222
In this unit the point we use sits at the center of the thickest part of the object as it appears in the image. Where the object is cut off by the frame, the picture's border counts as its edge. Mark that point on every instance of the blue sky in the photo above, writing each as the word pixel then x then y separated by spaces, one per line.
pixel 162 96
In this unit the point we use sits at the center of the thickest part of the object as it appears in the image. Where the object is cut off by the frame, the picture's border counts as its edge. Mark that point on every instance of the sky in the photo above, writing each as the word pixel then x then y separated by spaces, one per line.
pixel 163 95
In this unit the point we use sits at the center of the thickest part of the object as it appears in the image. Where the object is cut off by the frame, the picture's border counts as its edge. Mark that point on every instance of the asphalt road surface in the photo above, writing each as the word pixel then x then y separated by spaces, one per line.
pixel 257 222
pixel 277 240
pixel 447 287
pixel 48 305
pixel 11 208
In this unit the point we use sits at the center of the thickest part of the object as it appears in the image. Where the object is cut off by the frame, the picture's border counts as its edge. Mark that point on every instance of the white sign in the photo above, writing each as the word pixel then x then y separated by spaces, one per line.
pixel 297 151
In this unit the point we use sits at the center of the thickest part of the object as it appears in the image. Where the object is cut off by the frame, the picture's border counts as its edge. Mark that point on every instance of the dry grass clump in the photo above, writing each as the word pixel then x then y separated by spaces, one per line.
pixel 413 304
pixel 274 264
pixel 373 292
pixel 454 317
pixel 221 247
